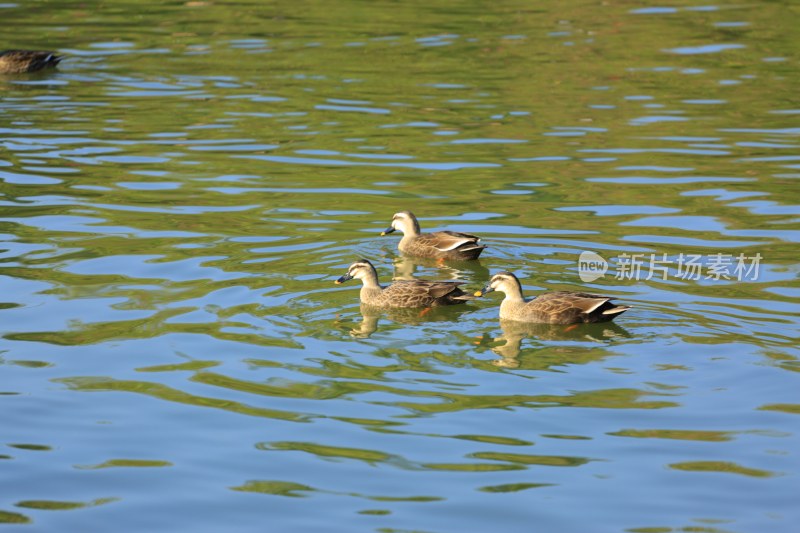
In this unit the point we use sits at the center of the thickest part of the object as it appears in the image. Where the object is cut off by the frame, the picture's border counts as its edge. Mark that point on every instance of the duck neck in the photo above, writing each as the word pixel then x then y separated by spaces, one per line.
pixel 405 241
pixel 370 289
pixel 513 299
pixel 513 293
pixel 370 282
pixel 411 229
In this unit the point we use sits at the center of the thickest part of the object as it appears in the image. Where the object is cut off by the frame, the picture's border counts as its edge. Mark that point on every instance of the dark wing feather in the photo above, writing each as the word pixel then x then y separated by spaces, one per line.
pixel 421 293
pixel 568 307
pixel 438 290
pixel 461 235
pixel 447 240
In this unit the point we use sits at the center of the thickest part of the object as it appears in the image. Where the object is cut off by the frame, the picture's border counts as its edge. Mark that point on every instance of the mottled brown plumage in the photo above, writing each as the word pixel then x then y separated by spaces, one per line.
pixel 406 293
pixel 559 307
pixel 21 61
pixel 440 244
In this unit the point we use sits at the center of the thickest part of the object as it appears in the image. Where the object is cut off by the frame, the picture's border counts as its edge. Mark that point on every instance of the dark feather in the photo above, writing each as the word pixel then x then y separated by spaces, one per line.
pixel 22 61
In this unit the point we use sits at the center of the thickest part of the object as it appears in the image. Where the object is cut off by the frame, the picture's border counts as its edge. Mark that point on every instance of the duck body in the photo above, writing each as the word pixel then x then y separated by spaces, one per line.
pixel 415 293
pixel 22 61
pixel 558 307
pixel 450 245
pixel 405 293
pixel 561 307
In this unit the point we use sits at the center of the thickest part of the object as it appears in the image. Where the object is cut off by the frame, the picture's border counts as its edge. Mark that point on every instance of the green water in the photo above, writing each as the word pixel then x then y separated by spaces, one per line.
pixel 179 196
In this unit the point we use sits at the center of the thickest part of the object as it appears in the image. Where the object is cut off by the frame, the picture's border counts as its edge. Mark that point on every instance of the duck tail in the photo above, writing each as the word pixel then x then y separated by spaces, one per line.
pixel 616 310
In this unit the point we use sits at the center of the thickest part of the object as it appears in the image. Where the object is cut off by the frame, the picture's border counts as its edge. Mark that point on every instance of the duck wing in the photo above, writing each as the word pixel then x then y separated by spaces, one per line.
pixel 445 241
pixel 422 293
pixel 439 289
pixel 564 306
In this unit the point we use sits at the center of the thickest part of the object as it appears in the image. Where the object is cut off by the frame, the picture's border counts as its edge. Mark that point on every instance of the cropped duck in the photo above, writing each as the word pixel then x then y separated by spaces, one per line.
pixel 405 293
pixel 438 245
pixel 560 307
pixel 22 61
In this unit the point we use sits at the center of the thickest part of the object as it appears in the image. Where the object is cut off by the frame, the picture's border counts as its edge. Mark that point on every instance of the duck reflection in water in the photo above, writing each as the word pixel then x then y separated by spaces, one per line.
pixel 514 332
pixel 405 268
pixel 371 316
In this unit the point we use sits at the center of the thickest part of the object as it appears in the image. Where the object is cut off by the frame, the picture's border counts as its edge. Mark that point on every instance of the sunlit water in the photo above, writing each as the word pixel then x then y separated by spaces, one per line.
pixel 179 196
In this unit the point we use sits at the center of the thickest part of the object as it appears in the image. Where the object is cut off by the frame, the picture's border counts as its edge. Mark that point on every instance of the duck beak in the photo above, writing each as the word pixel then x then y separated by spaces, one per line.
pixel 485 290
pixel 346 277
pixel 387 231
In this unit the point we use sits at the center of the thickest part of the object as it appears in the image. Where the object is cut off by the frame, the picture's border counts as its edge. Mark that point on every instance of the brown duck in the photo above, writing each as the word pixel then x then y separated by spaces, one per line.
pixel 438 245
pixel 21 61
pixel 405 293
pixel 560 307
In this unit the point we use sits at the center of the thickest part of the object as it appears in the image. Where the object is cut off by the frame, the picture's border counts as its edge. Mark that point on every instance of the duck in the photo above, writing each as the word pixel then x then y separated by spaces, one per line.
pixel 403 293
pixel 450 245
pixel 558 307
pixel 21 61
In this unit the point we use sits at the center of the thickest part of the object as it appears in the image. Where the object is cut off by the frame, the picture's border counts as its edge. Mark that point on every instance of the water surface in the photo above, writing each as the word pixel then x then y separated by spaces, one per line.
pixel 179 196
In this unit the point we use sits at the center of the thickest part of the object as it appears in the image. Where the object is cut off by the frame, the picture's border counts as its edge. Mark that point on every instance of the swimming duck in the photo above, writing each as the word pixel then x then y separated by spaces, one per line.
pixel 560 307
pixel 404 293
pixel 21 61
pixel 439 245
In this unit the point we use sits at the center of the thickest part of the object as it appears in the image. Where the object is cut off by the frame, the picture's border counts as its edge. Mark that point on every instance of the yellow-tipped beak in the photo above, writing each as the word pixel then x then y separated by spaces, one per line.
pixel 383 234
pixel 478 293
pixel 337 282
